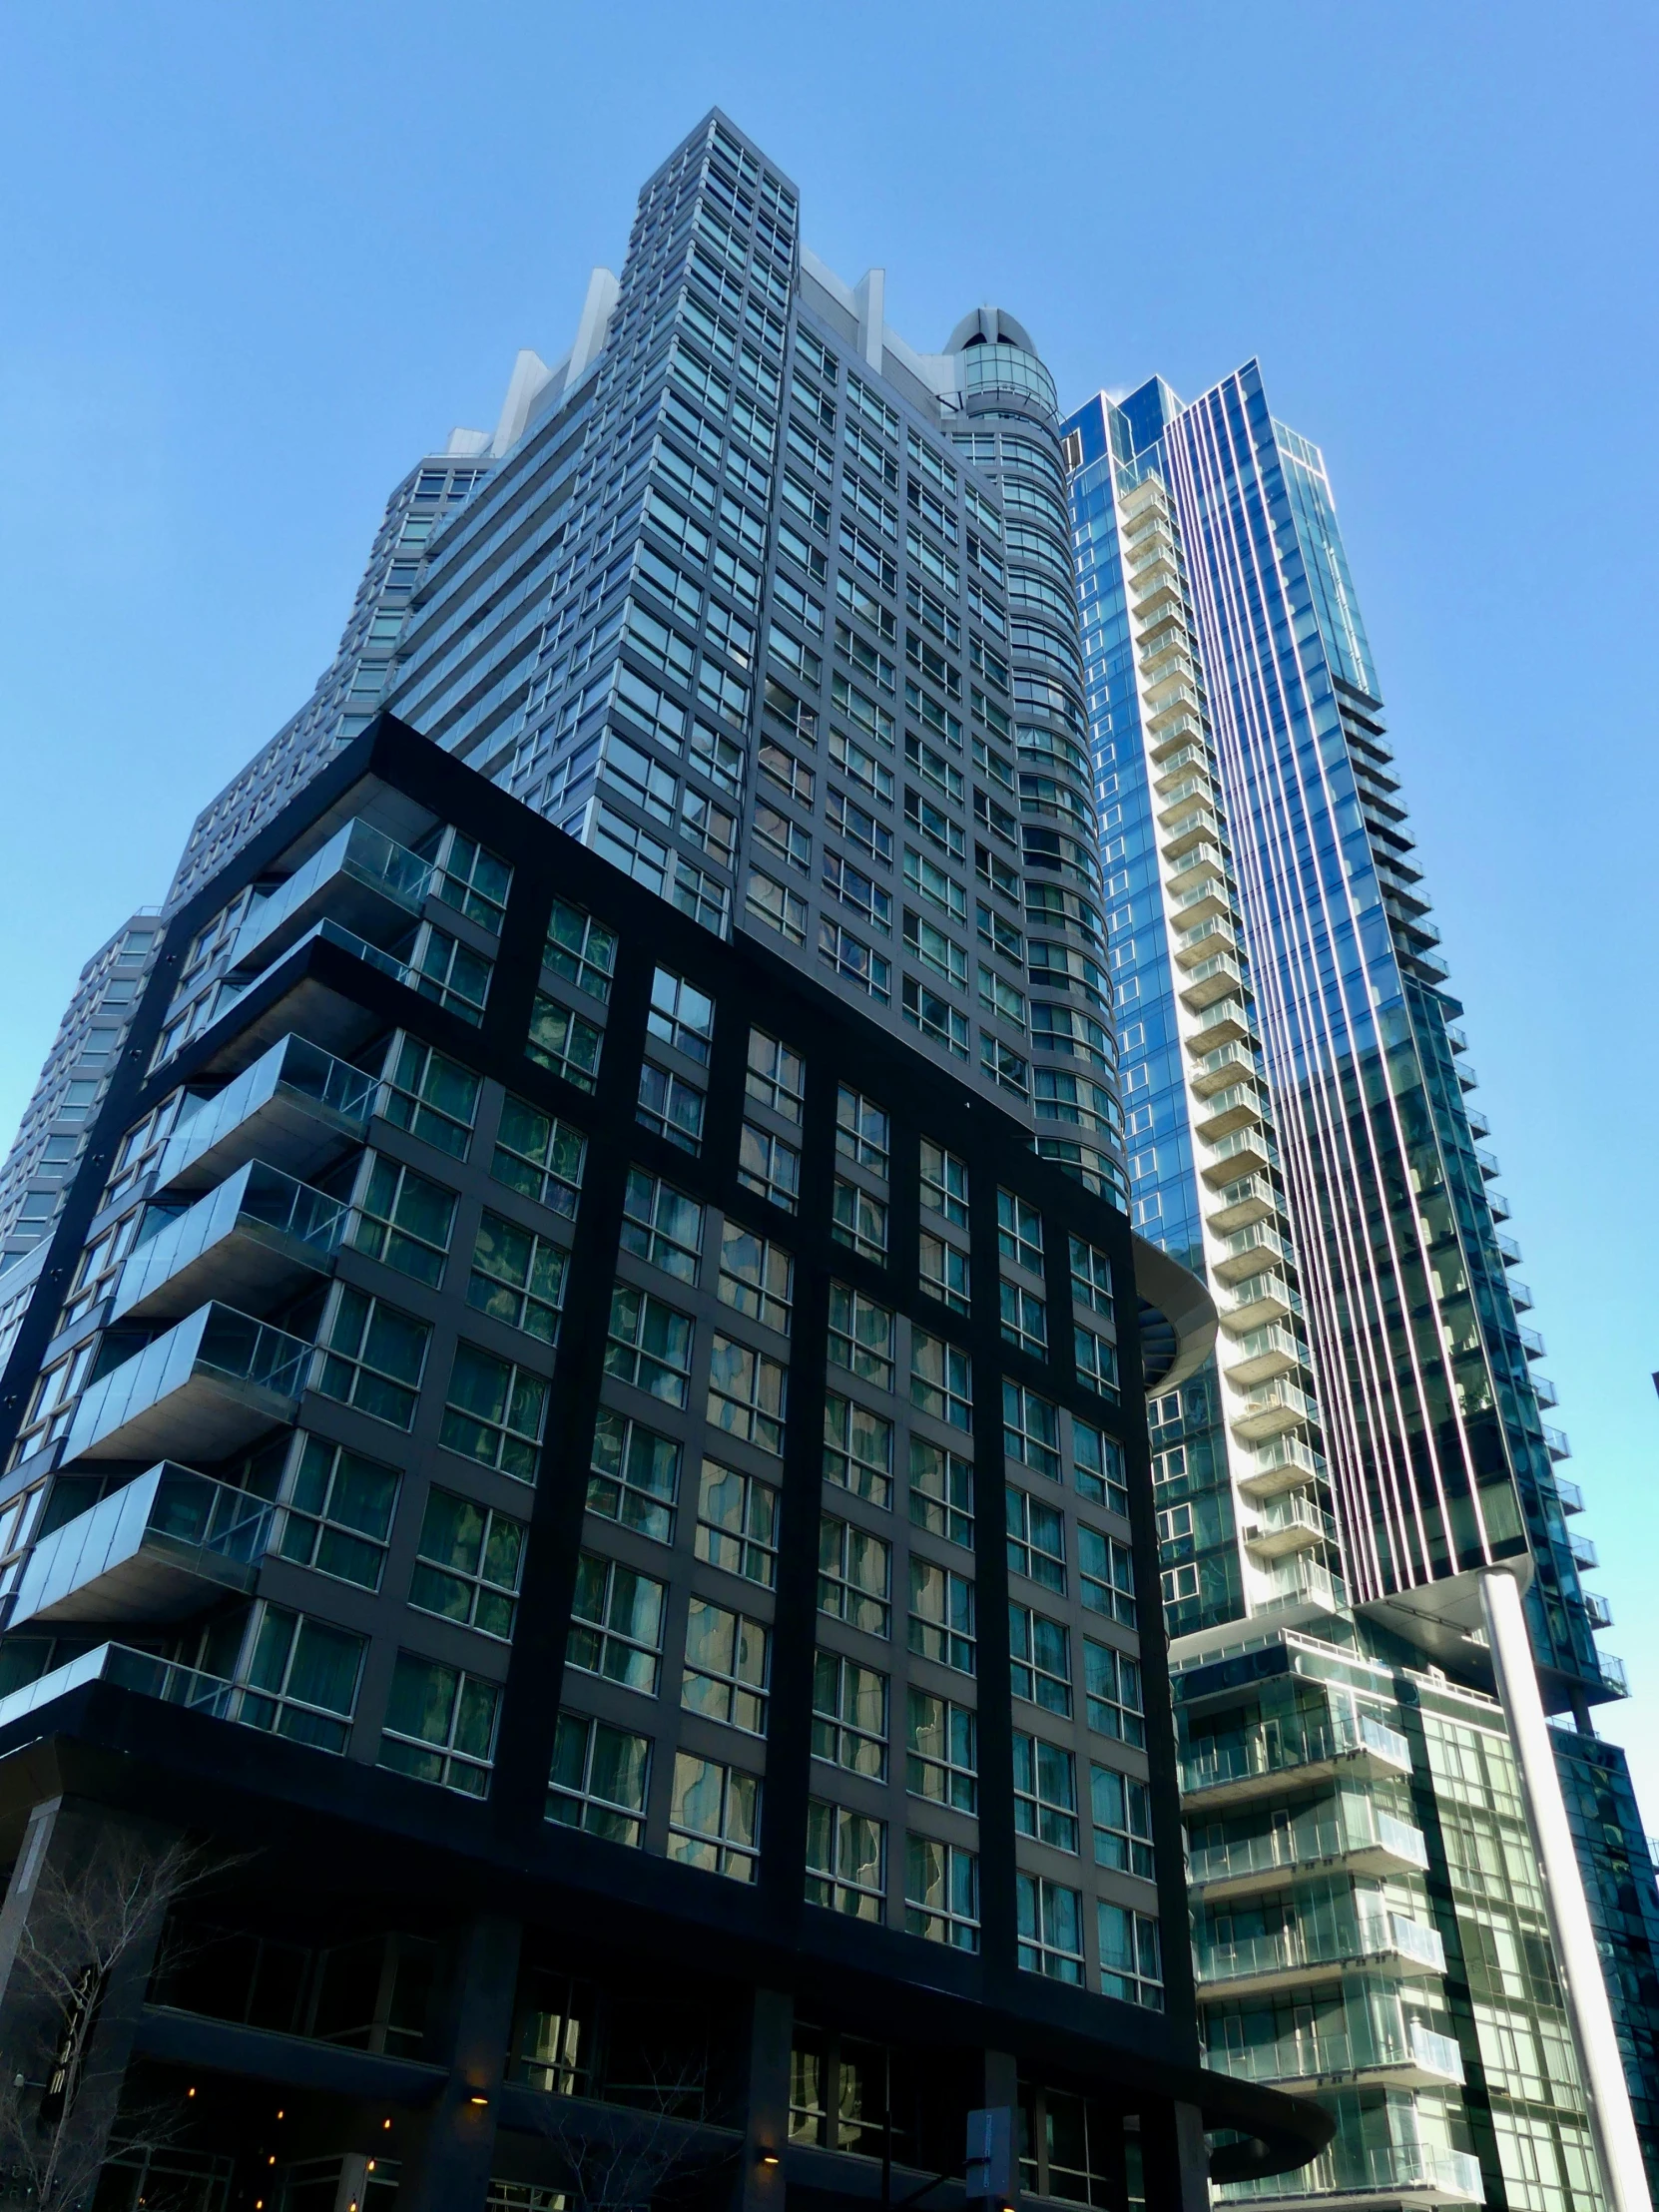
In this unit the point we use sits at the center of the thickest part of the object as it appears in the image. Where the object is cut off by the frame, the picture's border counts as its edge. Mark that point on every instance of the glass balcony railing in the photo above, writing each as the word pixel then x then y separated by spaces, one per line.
pixel 1369 1939
pixel 1280 1746
pixel 129 1670
pixel 1302 1580
pixel 211 1383
pixel 1380 2047
pixel 321 933
pixel 358 861
pixel 1417 2170
pixel 290 1106
pixel 1571 1497
pixel 152 1550
pixel 1310 1843
pixel 259 1229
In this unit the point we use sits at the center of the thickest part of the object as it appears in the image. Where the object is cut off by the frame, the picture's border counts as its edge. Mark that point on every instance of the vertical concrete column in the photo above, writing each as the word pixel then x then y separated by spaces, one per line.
pixel 766 2132
pixel 450 2171
pixel 1589 2014
pixel 1175 2160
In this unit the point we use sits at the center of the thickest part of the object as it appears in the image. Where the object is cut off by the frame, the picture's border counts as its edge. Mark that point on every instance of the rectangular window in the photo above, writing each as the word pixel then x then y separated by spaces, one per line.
pixel 433 1098
pixel 776 906
pixel 634 1476
pixel 942 1492
pixel 518 1276
pixel 672 1106
pixel 930 881
pixel 942 1893
pixel 944 1273
pixel 301 1679
pixel 925 1009
pixel 1091 1278
pixel 680 1016
pixel 713 1819
pixel 846 1861
pixel 783 838
pixel 1025 1319
pixel 769 1166
pixel 944 1182
pixel 860 1221
pixel 404 1219
pixel 599 1779
pixel 1050 1928
pixel 1122 1809
pixel 1045 1791
pixel 1112 1682
pixel 942 1752
pixel 938 952
pixel 792 778
pixel 580 949
pixel 854 887
pixel 862 1131
pixel 1106 1573
pixel 1040 1650
pixel 851 958
pixel 1036 1538
pixel 469 1564
pixel 451 974
pixel 854 1576
pixel 1098 1467
pixel 736 1523
pixel 860 1336
pixel 941 1615
pixel 564 1042
pixel 494 1413
pixel 1097 1363
pixel 1031 1429
pixel 338 1514
pixel 857 1449
pixel 941 1380
pixel 757 1277
pixel 775 1077
pixel 746 1394
pixel 863 767
pixel 440 1724
pixel 1019 1230
pixel 850 1715
pixel 648 1344
pixel 373 1356
pixel 662 1226
pixel 616 1623
pixel 538 1155
pixel 728 1658
pixel 1131 1963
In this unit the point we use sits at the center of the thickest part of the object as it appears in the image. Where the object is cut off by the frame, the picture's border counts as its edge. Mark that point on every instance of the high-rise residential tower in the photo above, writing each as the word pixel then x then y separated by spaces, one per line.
pixel 581 1418
pixel 1343 1483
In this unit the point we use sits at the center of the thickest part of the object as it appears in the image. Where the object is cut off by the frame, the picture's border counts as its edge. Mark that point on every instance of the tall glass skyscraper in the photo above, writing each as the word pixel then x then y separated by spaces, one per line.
pixel 1356 1487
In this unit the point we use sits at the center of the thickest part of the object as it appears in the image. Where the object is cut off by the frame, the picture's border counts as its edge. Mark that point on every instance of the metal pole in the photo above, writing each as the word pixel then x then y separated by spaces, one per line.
pixel 1589 2015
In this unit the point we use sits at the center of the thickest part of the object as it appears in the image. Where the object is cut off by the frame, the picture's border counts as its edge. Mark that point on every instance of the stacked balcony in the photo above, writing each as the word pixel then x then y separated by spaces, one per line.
pixel 260 1236
pixel 1262 1357
pixel 1371 2178
pixel 1372 1942
pixel 1355 1837
pixel 155 1550
pixel 215 1380
pixel 296 1108
pixel 1402 2054
pixel 1269 1757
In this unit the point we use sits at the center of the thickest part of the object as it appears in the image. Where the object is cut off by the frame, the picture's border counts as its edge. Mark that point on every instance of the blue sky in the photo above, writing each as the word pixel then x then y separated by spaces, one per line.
pixel 256 260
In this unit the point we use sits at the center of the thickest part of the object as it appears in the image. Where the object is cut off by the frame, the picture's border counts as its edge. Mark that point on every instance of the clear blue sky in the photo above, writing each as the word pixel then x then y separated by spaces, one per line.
pixel 255 261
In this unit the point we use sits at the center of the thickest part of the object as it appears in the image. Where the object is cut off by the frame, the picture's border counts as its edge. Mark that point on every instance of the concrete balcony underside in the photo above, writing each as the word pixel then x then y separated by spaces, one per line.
pixel 1360 1764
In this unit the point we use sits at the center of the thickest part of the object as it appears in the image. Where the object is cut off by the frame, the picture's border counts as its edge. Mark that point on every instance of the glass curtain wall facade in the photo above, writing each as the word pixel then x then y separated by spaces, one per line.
pixel 1289 1800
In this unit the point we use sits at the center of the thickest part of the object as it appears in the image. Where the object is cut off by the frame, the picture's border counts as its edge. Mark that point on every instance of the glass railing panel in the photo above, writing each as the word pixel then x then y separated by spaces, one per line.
pixel 323 932
pixel 293 1065
pixel 216 1339
pixel 253 1193
pixel 364 854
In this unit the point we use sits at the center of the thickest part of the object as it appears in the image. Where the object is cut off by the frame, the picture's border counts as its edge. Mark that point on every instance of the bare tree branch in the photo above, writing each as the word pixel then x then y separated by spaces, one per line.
pixel 82 1926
